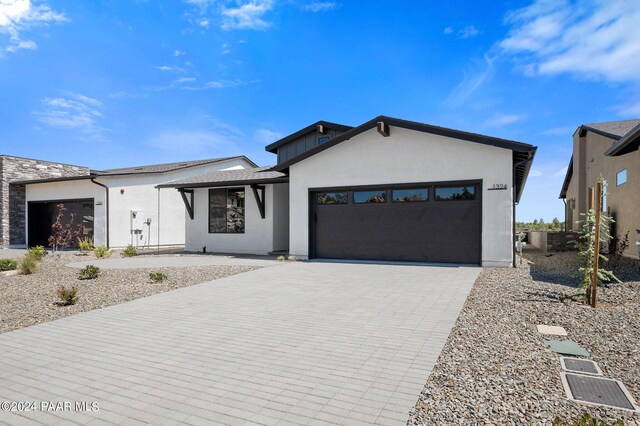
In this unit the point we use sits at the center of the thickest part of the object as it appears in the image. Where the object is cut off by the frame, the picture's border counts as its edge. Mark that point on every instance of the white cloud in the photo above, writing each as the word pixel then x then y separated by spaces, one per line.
pixel 18 16
pixel 266 136
pixel 471 82
pixel 499 120
pixel 468 32
pixel 169 68
pixel 203 22
pixel 184 80
pixel 225 49
pixel 535 173
pixel 211 137
pixel 177 53
pixel 73 111
pixel 561 173
pixel 595 39
pixel 629 109
pixel 448 30
pixel 566 131
pixel 320 6
pixel 249 15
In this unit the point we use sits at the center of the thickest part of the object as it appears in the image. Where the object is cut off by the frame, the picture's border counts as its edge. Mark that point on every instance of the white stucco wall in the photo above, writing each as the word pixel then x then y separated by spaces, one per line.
pixel 257 238
pixel 280 216
pixel 165 208
pixel 404 157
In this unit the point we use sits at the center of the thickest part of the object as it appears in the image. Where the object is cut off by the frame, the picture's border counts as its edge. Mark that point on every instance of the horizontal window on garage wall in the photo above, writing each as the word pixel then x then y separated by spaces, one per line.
pixel 455 193
pixel 366 197
pixel 226 211
pixel 409 195
pixel 333 197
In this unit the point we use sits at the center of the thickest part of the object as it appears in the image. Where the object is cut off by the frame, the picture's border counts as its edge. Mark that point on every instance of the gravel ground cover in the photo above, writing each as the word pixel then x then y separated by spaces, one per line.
pixel 495 369
pixel 31 299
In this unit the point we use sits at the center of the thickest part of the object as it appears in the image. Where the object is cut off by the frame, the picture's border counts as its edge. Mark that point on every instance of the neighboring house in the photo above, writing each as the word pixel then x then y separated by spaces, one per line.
pixel 117 206
pixel 388 189
pixel 12 196
pixel 609 150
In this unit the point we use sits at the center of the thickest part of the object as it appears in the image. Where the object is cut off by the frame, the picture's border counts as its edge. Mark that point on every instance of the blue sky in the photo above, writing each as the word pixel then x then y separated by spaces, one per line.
pixel 118 83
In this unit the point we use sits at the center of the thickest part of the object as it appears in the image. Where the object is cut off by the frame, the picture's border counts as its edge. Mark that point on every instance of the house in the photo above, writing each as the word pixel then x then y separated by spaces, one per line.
pixel 608 150
pixel 117 206
pixel 388 189
pixel 12 196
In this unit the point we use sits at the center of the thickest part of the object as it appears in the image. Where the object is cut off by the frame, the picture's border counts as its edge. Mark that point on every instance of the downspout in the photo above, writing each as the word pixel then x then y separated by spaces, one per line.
pixel 158 220
pixel 515 196
pixel 106 207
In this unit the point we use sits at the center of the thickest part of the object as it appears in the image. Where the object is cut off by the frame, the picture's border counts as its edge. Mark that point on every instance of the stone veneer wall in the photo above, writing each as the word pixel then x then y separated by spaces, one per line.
pixel 12 197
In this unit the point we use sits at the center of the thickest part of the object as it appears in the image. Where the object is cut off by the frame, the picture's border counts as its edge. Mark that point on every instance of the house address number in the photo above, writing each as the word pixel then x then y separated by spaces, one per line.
pixel 498 187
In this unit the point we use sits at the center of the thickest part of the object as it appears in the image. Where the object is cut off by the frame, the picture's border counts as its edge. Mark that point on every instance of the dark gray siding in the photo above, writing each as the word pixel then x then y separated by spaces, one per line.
pixel 304 143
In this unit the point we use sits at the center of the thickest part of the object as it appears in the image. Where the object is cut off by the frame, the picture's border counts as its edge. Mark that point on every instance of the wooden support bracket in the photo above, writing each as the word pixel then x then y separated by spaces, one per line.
pixel 258 193
pixel 188 203
pixel 383 128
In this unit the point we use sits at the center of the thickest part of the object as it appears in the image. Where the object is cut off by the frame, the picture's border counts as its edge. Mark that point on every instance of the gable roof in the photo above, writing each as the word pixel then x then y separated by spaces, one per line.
pixel 229 177
pixel 522 153
pixel 274 146
pixel 567 179
pixel 166 167
pixel 610 129
pixel 627 143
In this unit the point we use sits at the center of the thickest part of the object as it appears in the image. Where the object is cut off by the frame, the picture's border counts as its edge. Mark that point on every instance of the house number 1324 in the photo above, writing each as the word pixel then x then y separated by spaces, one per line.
pixel 498 186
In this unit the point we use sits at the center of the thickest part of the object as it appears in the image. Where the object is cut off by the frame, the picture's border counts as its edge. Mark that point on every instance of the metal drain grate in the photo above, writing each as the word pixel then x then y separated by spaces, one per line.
pixel 577 365
pixel 597 391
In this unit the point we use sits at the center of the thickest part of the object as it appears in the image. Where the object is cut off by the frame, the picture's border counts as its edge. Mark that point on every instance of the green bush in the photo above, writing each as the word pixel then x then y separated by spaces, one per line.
pixel 101 252
pixel 89 272
pixel 281 258
pixel 37 252
pixel 67 296
pixel 586 420
pixel 157 277
pixel 28 264
pixel 8 264
pixel 85 245
pixel 130 251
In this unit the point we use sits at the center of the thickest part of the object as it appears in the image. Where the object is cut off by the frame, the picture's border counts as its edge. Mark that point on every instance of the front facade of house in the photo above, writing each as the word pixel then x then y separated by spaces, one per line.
pixel 387 190
pixel 608 150
pixel 119 206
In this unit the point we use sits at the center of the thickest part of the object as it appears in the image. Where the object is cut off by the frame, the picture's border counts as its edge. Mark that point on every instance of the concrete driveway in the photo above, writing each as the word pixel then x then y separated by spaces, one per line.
pixel 297 343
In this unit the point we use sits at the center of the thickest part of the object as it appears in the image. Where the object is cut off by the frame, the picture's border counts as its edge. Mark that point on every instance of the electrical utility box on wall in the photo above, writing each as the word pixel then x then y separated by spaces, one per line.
pixel 137 221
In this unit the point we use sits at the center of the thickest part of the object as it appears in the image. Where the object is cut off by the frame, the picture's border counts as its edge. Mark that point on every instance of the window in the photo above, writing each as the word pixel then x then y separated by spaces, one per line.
pixel 456 193
pixel 332 197
pixel 410 195
pixel 226 211
pixel 621 177
pixel 364 197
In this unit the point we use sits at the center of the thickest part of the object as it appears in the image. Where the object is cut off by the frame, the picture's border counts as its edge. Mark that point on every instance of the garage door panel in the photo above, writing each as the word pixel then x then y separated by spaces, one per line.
pixel 425 231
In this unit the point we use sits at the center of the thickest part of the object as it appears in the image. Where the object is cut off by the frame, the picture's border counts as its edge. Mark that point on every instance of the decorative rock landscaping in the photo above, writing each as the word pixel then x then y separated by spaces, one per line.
pixel 495 368
pixel 31 299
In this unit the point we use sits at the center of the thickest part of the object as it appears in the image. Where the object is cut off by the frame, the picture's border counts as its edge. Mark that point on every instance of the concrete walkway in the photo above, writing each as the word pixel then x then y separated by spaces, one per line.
pixel 174 261
pixel 298 343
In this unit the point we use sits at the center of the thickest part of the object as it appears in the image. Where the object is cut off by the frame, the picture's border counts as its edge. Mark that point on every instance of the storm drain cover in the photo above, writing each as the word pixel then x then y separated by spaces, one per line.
pixel 577 365
pixel 566 347
pixel 597 390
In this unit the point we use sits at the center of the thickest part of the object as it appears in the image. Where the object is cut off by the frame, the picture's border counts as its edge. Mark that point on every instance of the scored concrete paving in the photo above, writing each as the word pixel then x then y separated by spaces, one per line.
pixel 149 262
pixel 297 343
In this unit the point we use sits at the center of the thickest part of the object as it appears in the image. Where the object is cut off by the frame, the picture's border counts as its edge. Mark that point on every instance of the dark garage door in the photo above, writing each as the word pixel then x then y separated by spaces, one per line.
pixel 42 214
pixel 421 223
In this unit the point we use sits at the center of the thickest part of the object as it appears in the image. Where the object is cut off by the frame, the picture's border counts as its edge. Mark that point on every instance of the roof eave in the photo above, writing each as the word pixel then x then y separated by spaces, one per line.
pixel 219 184
pixel 273 147
pixel 567 179
pixel 626 144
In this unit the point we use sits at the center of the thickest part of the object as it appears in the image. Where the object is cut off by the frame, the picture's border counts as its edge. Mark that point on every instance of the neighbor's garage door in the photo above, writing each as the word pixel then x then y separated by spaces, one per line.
pixel 43 214
pixel 421 223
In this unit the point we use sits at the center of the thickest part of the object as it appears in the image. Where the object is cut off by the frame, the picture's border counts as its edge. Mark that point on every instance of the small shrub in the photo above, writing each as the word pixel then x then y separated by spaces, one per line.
pixel 37 252
pixel 617 246
pixel 8 264
pixel 28 264
pixel 101 252
pixel 281 258
pixel 292 258
pixel 89 272
pixel 586 420
pixel 67 296
pixel 85 245
pixel 157 277
pixel 130 251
